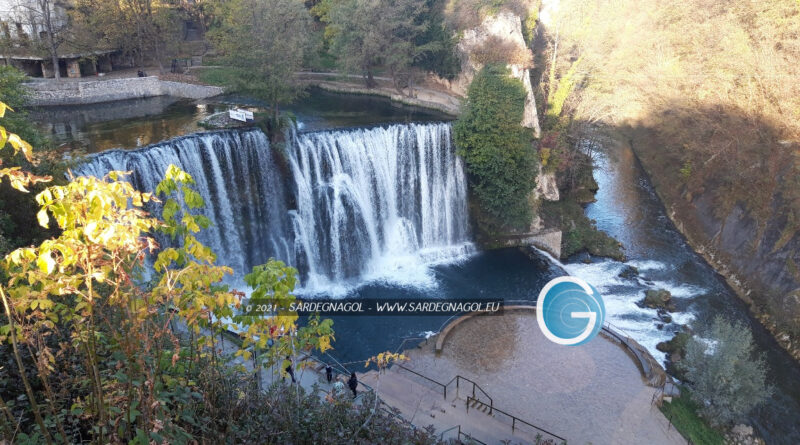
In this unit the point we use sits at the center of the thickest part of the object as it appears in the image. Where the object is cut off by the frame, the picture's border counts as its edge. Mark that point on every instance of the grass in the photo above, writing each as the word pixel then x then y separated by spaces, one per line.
pixel 223 77
pixel 682 412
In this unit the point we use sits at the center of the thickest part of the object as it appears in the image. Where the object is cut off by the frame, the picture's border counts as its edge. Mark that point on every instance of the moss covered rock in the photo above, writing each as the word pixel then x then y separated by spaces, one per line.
pixel 658 299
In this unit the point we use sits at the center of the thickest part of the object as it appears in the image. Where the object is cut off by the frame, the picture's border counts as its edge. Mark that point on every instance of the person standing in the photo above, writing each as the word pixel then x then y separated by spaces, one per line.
pixel 353 384
pixel 289 369
pixel 328 372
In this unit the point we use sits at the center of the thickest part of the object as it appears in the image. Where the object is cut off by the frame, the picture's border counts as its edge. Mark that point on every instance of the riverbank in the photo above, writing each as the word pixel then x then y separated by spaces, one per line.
pixel 636 141
pixel 420 96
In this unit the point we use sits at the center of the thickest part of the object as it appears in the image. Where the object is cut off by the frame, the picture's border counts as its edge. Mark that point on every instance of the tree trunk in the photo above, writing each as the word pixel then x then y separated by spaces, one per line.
pixel 44 5
pixel 370 79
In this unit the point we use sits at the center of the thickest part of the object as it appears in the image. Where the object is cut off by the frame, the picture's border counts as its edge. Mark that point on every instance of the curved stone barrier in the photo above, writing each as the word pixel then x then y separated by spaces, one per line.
pixel 652 371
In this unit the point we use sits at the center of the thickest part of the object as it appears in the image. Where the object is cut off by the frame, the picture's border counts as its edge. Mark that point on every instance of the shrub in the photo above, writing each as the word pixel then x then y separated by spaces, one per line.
pixel 497 150
pixel 726 379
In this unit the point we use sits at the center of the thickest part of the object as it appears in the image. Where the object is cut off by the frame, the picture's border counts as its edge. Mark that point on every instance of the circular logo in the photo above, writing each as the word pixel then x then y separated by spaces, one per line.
pixel 570 311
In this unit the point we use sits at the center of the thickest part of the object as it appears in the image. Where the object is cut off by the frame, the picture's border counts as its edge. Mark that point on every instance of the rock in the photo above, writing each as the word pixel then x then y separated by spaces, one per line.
pixel 742 435
pixel 629 272
pixel 546 186
pixel 675 345
pixel 742 430
pixel 506 27
pixel 658 298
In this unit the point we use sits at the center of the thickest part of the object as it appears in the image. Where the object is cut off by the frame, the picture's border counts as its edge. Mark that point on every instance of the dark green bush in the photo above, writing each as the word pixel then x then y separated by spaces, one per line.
pixel 497 150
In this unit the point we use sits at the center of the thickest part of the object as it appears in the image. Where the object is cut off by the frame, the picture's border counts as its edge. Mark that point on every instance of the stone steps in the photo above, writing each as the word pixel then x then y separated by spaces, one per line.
pixel 423 405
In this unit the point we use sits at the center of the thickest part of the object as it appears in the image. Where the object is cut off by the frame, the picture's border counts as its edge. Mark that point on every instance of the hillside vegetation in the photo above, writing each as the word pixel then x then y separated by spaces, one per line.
pixel 708 94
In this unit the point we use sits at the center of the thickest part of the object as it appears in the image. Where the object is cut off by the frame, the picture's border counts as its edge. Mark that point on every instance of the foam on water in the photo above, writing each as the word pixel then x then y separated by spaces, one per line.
pixel 621 297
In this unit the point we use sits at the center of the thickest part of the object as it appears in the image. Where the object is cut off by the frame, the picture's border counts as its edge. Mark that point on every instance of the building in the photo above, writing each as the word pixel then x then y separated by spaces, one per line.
pixel 23 41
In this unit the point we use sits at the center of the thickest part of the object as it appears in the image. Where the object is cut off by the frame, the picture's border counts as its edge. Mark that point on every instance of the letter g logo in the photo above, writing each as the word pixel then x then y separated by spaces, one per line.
pixel 570 311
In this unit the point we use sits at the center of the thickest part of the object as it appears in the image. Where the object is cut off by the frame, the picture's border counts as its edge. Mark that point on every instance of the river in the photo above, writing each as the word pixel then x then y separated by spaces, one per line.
pixel 440 264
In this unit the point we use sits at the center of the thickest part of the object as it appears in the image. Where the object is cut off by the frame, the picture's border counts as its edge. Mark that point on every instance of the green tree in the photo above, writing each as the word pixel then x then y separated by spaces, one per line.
pixel 497 150
pixel 265 42
pixel 438 45
pixel 368 34
pixel 726 377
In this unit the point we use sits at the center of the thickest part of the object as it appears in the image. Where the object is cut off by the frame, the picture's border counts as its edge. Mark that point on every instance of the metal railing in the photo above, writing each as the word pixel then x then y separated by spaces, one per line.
pixel 460 434
pixel 475 386
pixel 405 340
pixel 514 419
pixel 457 379
pixel 474 399
pixel 439 384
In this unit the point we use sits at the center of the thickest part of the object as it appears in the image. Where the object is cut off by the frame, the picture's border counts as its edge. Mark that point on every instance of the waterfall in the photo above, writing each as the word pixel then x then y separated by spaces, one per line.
pixel 343 206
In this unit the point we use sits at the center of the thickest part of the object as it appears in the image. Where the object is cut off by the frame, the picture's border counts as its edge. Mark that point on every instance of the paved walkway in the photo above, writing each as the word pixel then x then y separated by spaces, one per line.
pixel 589 394
pixel 592 393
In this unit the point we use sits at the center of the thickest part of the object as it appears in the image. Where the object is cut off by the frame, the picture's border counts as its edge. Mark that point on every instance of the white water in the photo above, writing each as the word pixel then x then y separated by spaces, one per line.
pixel 347 207
pixel 621 295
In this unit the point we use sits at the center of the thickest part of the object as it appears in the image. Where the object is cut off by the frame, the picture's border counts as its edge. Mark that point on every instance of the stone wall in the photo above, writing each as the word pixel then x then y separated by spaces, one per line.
pixel 45 93
pixel 548 240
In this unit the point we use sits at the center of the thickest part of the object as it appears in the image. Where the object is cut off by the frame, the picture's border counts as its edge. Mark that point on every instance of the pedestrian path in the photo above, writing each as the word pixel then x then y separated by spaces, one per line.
pixel 424 404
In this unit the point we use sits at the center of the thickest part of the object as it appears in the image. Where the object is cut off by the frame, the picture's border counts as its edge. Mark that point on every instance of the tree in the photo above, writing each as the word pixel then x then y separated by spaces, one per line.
pixel 437 45
pixel 368 34
pixel 497 150
pixel 48 15
pixel 143 29
pixel 726 379
pixel 265 43
pixel 52 30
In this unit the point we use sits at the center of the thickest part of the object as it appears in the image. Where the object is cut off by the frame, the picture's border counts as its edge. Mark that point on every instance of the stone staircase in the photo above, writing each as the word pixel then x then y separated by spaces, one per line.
pixel 423 403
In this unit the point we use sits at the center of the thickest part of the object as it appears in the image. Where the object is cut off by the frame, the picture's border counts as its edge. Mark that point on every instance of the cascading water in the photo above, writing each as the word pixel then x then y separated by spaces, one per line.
pixel 378 203
pixel 391 195
pixel 237 175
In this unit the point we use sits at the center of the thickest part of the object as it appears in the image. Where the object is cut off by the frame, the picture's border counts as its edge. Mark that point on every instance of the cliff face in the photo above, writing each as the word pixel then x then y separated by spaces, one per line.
pixel 757 253
pixel 757 257
pixel 503 31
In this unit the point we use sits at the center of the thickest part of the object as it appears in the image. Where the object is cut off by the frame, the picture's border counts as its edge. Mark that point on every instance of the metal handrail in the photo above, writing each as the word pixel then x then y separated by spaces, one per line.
pixel 514 419
pixel 460 434
pixel 474 385
pixel 470 438
pixel 441 435
pixel 456 379
pixel 442 385
pixel 399 348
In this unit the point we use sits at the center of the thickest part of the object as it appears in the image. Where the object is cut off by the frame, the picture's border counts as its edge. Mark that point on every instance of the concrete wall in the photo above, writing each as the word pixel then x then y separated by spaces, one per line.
pixel 45 93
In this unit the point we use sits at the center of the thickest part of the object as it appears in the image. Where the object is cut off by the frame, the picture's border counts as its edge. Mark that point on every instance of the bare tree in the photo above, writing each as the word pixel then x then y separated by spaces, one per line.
pixel 44 14
pixel 53 32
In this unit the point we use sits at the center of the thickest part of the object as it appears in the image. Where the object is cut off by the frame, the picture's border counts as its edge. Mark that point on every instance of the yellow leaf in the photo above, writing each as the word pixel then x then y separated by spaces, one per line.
pixel 20 144
pixel 3 108
pixel 45 262
pixel 43 218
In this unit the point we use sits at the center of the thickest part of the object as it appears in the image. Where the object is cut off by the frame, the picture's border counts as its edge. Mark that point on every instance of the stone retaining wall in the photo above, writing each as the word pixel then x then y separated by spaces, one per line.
pixel 44 93
pixel 548 240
